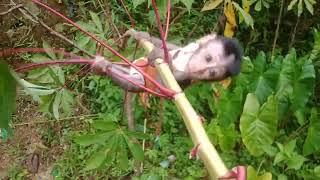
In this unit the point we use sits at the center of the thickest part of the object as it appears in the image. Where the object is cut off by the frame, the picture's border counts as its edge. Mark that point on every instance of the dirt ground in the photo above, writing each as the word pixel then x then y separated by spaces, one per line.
pixel 27 151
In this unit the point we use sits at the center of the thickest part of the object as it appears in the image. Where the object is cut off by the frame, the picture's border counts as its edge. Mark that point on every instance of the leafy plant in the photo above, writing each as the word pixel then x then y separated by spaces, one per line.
pixel 113 143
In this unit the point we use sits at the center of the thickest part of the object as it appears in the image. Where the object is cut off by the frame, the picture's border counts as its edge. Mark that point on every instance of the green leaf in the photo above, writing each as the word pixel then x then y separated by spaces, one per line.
pixel 258 126
pixel 48 50
pixel 96 160
pixel 292 3
pixel 247 17
pixel 258 5
pixel 300 8
pixel 67 101
pixel 33 89
pixel 105 125
pixel 96 21
pixel 122 154
pixel 295 162
pixel 288 156
pixel 137 134
pixel 136 151
pixel 309 6
pixel 225 136
pixel 311 144
pixel 56 105
pixel 211 4
pixel 229 106
pixel 98 138
pixel 252 174
pixel 83 41
pixel 7 95
pixel 264 77
pixel 187 3
pixel 137 3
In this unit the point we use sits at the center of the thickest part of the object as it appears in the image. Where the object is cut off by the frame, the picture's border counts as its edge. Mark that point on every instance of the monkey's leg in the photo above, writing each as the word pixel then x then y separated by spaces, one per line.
pixel 119 74
pixel 140 35
pixel 128 109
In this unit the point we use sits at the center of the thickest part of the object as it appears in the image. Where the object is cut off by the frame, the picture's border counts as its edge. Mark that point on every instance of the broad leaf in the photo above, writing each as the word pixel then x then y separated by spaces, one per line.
pixel 96 21
pixel 211 4
pixel 104 125
pixel 96 159
pixel 258 126
pixel 229 107
pixel 7 95
pixel 247 17
pixel 252 174
pixel 98 138
pixel 187 3
pixel 137 3
pixel 136 151
pixel 311 145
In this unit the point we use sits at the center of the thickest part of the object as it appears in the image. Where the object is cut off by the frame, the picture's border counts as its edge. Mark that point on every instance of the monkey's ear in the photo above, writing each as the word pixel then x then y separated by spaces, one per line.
pixel 207 38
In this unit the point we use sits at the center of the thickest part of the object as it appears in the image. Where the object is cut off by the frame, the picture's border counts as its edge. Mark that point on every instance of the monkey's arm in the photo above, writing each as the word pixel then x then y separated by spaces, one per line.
pixel 140 35
pixel 119 74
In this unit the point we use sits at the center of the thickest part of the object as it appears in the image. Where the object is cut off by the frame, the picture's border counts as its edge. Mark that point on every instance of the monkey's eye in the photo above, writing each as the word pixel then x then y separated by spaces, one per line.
pixel 208 58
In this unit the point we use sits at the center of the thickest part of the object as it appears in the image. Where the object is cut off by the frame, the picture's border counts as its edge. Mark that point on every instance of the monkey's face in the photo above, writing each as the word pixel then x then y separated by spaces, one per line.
pixel 215 59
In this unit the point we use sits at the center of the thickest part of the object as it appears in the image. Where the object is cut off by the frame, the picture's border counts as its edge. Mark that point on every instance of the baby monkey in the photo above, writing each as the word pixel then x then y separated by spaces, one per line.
pixel 211 58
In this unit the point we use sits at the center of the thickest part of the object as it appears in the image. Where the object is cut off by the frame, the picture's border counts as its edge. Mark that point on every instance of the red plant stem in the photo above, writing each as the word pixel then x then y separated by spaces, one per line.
pixel 127 12
pixel 83 61
pixel 12 51
pixel 165 49
pixel 57 62
pixel 166 91
pixel 167 20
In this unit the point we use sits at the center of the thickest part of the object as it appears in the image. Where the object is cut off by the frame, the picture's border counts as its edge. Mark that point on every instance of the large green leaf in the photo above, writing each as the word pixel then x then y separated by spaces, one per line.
pixel 258 126
pixel 311 145
pixel 225 136
pixel 7 95
pixel 211 4
pixel 98 138
pixel 136 151
pixel 264 77
pixel 296 83
pixel 303 84
pixel 289 156
pixel 105 125
pixel 253 174
pixel 96 159
pixel 229 106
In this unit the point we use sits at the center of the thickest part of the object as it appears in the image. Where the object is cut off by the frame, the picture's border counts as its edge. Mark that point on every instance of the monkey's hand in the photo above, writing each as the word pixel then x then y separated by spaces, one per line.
pixel 155 54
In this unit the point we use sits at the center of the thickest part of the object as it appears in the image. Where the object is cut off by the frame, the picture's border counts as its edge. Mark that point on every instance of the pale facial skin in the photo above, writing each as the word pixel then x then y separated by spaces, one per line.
pixel 215 59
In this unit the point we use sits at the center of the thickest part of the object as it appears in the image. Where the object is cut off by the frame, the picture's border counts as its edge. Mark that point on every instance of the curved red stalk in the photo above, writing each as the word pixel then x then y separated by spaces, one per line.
pixel 167 20
pixel 12 51
pixel 165 49
pixel 83 61
pixel 127 12
pixel 166 91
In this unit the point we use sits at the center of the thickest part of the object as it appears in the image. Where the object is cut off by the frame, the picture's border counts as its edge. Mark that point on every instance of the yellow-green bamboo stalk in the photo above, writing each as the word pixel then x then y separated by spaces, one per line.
pixel 207 152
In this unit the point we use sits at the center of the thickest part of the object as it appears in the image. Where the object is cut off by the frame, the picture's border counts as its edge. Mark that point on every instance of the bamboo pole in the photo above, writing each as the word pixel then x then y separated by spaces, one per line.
pixel 207 152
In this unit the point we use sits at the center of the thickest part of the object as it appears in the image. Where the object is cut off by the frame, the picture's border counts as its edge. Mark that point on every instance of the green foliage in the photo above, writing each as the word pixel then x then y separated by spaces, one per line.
pixel 7 95
pixel 310 145
pixel 300 5
pixel 288 156
pixel 267 118
pixel 258 125
pixel 253 175
pixel 113 142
